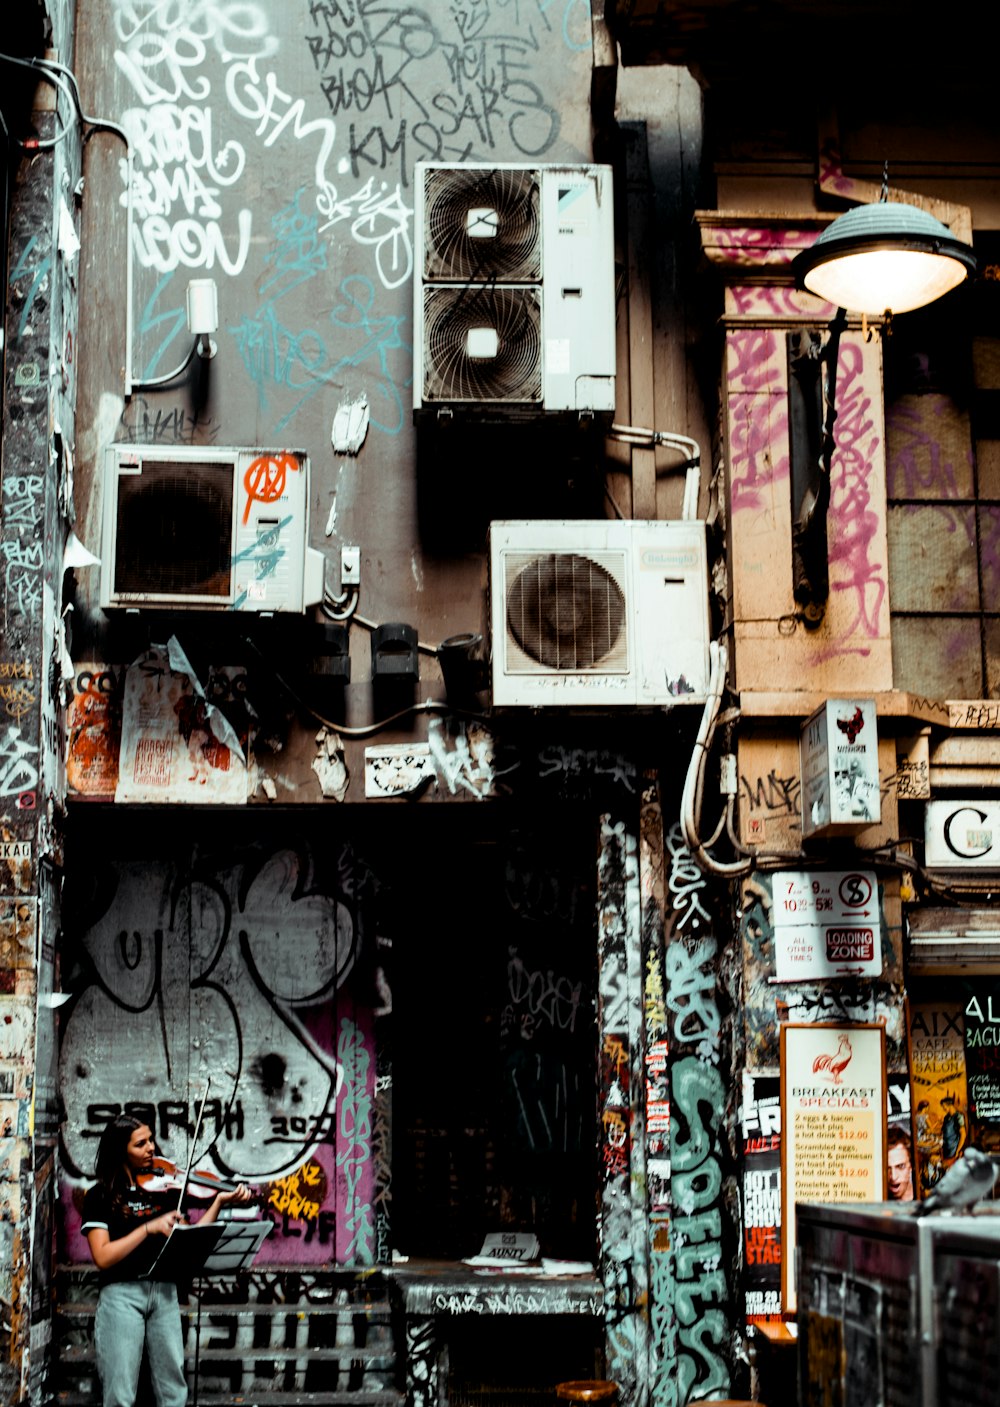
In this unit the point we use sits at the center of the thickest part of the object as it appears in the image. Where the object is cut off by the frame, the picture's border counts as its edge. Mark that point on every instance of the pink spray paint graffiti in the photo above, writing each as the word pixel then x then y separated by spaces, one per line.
pixel 854 521
pixel 758 418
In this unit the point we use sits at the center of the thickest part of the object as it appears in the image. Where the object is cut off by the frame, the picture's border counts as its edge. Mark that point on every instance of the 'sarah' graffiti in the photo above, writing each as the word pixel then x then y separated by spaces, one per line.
pixel 233 970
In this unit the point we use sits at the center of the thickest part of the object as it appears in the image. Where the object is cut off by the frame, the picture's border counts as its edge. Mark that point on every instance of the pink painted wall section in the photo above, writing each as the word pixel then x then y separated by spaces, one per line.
pixel 243 973
pixel 772 650
pixel 746 246
pixel 762 301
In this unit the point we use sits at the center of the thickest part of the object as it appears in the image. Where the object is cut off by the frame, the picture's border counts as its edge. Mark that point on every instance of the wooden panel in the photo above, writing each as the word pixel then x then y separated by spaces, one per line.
pixel 986 363
pixel 932 558
pixel 988 468
pixel 937 655
pixel 851 650
pixel 928 448
pixel 769 792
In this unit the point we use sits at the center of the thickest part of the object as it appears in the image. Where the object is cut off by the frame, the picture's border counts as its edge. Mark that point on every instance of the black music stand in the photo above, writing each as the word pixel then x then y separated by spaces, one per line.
pixel 223 1246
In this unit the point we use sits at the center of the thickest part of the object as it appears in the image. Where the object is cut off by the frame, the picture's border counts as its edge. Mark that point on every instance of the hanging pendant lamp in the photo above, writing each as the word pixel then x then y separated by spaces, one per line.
pixel 885 257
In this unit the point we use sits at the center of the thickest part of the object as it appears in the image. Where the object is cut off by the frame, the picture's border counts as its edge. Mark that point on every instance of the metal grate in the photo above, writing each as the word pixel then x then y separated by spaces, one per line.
pixel 566 611
pixel 175 530
pixel 452 319
pixel 482 224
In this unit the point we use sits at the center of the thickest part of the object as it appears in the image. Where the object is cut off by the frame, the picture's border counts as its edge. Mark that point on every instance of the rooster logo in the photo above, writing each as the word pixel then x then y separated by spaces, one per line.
pixel 836 1062
pixel 852 726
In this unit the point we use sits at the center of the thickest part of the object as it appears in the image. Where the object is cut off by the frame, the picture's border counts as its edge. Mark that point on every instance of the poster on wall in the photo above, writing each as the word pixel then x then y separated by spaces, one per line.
pixel 982 1060
pixel 761 1129
pixel 833 1121
pixel 900 1180
pixel 176 744
pixel 939 1093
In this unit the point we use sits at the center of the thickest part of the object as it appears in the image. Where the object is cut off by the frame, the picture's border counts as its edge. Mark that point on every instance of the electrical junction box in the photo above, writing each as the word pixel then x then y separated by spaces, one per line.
pixel 838 757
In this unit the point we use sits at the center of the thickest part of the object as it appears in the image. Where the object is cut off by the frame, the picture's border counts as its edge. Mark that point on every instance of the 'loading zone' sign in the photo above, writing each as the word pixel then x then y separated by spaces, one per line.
pixel 826 924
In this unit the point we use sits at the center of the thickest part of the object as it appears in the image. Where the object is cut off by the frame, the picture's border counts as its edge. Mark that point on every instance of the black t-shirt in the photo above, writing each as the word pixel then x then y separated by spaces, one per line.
pixel 119 1215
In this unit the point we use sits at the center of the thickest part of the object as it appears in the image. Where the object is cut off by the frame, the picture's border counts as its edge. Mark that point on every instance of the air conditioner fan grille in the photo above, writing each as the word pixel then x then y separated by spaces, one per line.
pixel 459 202
pixel 174 534
pixel 566 611
pixel 453 373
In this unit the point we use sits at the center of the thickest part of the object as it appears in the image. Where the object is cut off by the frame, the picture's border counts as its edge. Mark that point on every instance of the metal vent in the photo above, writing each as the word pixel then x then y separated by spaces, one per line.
pixel 482 344
pixel 482 224
pixel 566 611
pixel 175 530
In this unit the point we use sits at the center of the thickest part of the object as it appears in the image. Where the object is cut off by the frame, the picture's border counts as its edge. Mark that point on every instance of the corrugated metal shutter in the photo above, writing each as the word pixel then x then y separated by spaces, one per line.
pixel 953 940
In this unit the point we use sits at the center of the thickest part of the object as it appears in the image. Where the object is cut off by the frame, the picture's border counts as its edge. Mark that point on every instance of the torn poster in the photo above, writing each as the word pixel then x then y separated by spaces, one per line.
pixel 398 769
pixel 94 729
pixel 329 765
pixel 350 425
pixel 176 746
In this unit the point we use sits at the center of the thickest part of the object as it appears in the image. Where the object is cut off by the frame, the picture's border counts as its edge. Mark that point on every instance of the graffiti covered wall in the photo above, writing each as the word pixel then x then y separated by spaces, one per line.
pixel 247 974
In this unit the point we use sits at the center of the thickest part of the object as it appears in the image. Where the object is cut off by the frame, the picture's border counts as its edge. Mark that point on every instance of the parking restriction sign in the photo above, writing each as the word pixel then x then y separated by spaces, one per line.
pixel 826 924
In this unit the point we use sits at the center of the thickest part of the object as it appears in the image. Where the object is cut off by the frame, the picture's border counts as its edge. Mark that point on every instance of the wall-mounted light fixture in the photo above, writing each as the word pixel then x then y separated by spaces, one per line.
pixel 202 306
pixel 878 259
pixel 884 258
pixel 203 314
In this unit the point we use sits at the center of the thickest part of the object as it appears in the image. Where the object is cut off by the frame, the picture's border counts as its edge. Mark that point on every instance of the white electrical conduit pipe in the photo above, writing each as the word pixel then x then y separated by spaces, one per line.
pixel 691 797
pixel 636 435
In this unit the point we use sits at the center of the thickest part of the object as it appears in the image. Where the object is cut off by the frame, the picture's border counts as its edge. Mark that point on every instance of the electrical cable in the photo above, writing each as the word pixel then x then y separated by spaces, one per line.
pixel 42 143
pixel 691 797
pixel 156 381
pixel 640 437
pixel 369 729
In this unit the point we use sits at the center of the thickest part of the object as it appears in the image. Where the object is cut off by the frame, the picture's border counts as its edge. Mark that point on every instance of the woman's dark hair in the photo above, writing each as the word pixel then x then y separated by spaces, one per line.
pixel 112 1151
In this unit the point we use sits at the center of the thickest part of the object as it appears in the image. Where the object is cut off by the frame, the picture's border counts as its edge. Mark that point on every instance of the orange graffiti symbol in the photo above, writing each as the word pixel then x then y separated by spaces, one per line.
pixel 264 481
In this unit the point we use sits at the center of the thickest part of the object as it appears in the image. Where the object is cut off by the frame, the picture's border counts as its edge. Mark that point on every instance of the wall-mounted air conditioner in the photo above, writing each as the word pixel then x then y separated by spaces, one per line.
pixel 207 529
pixel 598 613
pixel 514 297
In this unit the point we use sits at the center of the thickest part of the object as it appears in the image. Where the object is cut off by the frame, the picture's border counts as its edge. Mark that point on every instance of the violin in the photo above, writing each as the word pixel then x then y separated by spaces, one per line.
pixel 164 1177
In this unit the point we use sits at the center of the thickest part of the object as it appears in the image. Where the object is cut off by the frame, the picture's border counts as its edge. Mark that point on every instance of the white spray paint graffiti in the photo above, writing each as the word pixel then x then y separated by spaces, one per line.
pixel 698 1098
pixel 23 504
pixel 18 773
pixel 466 764
pixel 380 218
pixel 178 168
pixel 623 1261
pixel 274 111
pixel 23 578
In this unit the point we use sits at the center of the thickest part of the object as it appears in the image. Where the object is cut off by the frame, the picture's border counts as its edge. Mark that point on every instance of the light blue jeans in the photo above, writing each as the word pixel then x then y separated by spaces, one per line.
pixel 131 1314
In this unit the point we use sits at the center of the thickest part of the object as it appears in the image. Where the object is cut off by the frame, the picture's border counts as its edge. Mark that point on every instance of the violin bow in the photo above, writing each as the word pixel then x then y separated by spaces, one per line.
pixel 194 1142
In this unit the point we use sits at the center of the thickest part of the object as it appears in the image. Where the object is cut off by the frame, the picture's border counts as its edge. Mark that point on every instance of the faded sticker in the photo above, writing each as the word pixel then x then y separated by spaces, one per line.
pixel 398 769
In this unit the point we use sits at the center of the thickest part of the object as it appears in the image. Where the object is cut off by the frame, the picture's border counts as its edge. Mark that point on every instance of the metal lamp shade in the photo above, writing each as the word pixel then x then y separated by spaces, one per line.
pixel 886 257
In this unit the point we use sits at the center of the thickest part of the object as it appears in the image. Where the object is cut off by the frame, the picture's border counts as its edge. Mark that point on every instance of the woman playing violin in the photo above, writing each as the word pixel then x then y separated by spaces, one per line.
pixel 126 1228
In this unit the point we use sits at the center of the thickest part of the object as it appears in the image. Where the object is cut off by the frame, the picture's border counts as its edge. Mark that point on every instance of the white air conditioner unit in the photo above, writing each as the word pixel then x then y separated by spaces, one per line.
pixel 514 298
pixel 599 613
pixel 208 530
